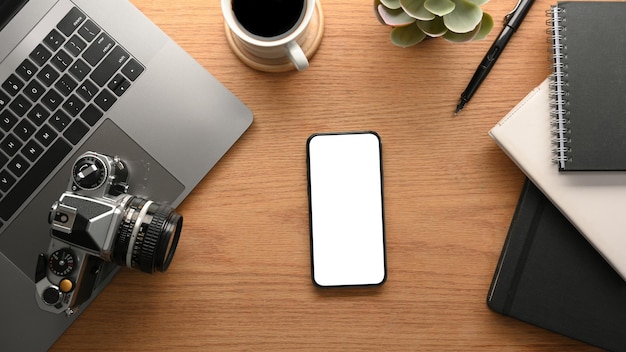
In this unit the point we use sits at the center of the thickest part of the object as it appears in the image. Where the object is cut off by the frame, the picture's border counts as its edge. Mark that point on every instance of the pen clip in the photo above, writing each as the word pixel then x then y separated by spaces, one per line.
pixel 508 16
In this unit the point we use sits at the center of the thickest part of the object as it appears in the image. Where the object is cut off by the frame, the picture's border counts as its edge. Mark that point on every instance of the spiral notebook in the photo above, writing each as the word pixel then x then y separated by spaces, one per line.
pixel 588 85
pixel 594 202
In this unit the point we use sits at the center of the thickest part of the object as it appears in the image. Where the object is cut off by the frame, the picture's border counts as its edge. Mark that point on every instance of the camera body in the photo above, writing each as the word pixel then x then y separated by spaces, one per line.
pixel 96 221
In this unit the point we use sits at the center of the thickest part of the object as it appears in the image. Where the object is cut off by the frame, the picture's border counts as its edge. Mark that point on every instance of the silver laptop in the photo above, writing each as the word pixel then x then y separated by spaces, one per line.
pixel 86 75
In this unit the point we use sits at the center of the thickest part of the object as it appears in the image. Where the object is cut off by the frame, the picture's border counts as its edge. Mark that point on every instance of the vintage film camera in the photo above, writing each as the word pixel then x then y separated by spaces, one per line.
pixel 96 221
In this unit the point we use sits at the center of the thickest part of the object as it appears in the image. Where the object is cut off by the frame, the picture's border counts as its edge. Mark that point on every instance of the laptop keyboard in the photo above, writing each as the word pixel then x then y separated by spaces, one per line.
pixel 53 99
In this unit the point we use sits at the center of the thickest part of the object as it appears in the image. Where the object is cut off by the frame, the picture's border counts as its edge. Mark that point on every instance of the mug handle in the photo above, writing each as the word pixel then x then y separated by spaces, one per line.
pixel 296 55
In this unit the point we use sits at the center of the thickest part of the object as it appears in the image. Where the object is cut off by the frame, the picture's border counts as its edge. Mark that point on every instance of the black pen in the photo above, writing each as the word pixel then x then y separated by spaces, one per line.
pixel 512 22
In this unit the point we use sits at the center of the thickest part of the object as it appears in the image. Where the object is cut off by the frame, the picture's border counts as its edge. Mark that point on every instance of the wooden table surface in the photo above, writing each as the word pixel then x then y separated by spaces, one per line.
pixel 240 280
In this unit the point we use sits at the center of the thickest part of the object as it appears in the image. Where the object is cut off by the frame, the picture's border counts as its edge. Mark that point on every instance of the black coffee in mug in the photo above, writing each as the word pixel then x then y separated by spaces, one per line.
pixel 268 18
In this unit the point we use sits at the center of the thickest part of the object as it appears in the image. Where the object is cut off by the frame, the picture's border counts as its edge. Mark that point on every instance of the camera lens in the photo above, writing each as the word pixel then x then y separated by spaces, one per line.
pixel 148 235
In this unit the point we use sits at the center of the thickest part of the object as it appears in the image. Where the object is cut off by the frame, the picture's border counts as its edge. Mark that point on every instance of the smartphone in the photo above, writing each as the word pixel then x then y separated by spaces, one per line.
pixel 345 186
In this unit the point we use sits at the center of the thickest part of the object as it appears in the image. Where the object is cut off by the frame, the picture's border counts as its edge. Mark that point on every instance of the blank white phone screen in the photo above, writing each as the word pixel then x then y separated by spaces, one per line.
pixel 346 209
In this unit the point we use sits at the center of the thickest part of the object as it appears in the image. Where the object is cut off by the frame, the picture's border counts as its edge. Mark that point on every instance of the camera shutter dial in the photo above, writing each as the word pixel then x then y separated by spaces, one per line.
pixel 89 173
pixel 62 262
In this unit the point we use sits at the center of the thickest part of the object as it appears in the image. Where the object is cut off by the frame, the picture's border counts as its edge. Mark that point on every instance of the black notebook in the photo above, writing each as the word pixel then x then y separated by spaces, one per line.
pixel 589 85
pixel 548 275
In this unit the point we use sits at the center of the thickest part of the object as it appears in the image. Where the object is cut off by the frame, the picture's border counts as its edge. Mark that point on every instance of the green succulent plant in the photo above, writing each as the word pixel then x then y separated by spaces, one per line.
pixel 414 20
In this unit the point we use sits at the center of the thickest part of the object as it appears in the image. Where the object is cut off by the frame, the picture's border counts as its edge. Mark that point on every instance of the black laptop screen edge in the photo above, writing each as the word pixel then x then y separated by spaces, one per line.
pixel 8 9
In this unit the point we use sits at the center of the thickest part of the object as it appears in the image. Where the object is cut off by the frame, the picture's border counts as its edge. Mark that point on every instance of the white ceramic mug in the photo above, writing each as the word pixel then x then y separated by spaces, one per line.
pixel 269 34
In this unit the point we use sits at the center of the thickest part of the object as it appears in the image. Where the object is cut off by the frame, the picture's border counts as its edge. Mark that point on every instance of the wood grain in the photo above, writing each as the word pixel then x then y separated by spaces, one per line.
pixel 240 280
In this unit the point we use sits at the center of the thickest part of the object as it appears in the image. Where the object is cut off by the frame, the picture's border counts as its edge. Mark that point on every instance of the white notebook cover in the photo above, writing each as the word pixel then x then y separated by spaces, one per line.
pixel 593 201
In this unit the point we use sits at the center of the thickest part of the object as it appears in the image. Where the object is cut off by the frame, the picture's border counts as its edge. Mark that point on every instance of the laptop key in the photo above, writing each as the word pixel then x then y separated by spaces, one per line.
pixel 6 181
pixel 45 135
pixel 119 84
pixel 87 90
pixel 79 69
pixel 76 131
pixel 4 100
pixel 51 100
pixel 59 120
pixel 26 70
pixel 54 40
pixel 40 55
pixel 75 45
pixel 12 85
pixel 103 73
pixel 98 49
pixel 33 178
pixel 73 105
pixel 24 130
pixel 18 165
pixel 34 90
pixel 38 115
pixel 48 75
pixel 71 21
pixel 61 60
pixel 7 120
pixel 10 145
pixel 105 100
pixel 91 114
pixel 20 105
pixel 89 30
pixel 66 84
pixel 132 70
pixel 32 150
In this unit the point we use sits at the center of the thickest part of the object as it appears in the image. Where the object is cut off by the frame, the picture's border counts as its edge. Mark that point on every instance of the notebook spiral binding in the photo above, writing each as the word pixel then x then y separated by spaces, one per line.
pixel 559 87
